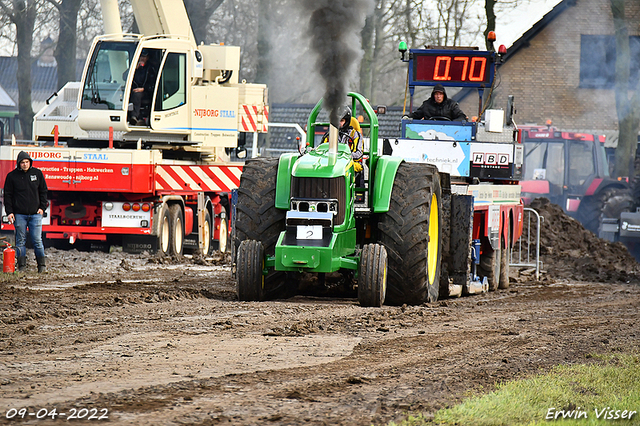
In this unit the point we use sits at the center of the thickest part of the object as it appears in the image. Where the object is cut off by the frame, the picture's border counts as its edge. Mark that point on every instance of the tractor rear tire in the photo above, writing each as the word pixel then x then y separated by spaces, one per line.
pixel 490 262
pixel 249 271
pixel 372 279
pixel 504 260
pixel 412 235
pixel 258 219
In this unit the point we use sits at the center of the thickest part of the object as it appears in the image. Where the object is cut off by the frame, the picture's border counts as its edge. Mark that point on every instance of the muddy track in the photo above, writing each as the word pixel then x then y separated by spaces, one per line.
pixel 167 343
pixel 163 342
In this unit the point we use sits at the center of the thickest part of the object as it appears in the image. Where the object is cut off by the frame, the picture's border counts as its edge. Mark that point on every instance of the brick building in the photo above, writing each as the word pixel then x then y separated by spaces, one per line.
pixel 562 68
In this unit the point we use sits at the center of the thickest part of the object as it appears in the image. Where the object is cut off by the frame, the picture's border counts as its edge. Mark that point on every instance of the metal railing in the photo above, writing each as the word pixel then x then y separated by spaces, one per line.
pixel 526 249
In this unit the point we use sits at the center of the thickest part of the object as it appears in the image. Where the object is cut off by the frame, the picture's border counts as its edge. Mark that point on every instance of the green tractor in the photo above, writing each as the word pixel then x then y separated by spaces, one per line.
pixel 305 214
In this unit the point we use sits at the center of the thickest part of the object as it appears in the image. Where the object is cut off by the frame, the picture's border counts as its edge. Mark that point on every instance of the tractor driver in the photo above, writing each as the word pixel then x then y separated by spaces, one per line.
pixel 439 107
pixel 352 137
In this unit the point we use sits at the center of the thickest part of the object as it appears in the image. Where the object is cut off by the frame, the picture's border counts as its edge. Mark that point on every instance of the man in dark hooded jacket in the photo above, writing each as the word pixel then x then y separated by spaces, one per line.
pixel 25 200
pixel 439 106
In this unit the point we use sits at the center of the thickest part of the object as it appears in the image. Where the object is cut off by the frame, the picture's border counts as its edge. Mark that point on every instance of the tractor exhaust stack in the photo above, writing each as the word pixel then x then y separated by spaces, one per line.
pixel 333 144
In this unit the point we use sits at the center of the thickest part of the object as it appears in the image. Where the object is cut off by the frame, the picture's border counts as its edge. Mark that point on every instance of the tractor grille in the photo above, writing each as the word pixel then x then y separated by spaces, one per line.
pixel 321 189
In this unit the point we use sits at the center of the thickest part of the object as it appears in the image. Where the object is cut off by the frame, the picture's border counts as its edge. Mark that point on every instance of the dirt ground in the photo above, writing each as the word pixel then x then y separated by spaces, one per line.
pixel 150 342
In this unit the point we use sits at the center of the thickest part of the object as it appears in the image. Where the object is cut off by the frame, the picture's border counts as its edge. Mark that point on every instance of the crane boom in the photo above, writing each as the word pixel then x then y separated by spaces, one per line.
pixel 162 17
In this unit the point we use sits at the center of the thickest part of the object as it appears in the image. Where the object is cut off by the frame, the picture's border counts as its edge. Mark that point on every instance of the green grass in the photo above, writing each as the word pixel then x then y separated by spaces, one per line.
pixel 613 382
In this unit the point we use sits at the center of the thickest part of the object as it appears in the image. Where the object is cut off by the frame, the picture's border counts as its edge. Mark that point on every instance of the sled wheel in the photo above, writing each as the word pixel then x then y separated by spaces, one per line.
pixel 504 259
pixel 372 280
pixel 176 218
pixel 249 271
pixel 490 266
pixel 164 233
pixel 411 233
pixel 258 219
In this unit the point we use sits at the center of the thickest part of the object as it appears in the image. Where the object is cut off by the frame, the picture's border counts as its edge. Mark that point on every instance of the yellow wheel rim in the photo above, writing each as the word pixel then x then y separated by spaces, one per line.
pixel 432 247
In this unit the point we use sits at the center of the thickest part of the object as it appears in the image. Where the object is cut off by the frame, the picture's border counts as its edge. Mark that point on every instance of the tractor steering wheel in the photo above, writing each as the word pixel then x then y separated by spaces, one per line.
pixel 439 117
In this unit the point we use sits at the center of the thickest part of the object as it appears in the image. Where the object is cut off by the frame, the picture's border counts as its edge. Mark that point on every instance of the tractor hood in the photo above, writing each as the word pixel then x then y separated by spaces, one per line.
pixel 317 163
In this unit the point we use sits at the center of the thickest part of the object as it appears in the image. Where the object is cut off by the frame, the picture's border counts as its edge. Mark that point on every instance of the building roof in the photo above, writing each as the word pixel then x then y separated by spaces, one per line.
pixel 5 100
pixel 44 80
pixel 526 38
pixel 284 138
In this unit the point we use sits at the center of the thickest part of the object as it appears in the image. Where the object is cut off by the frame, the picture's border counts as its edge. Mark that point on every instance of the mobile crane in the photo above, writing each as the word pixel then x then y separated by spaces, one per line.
pixel 162 183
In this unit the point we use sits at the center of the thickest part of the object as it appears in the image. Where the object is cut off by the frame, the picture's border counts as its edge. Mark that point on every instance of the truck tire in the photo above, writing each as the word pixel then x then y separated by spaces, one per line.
pixel 504 260
pixel 258 219
pixel 223 239
pixel 610 202
pixel 249 271
pixel 372 277
pixel 207 247
pixel 164 233
pixel 411 233
pixel 176 218
pixel 489 267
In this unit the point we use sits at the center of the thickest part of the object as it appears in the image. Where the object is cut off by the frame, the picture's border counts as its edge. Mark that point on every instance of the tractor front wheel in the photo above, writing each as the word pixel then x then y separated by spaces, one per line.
pixel 372 280
pixel 258 219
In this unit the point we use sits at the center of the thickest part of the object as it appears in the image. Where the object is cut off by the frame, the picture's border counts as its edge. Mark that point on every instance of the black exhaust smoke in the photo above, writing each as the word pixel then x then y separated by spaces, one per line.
pixel 334 28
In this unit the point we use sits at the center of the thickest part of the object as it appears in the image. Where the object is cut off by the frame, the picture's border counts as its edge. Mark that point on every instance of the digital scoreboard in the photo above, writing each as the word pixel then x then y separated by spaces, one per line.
pixel 452 68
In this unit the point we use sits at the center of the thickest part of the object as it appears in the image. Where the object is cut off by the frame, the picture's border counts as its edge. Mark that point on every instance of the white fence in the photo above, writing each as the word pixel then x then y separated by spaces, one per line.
pixel 526 251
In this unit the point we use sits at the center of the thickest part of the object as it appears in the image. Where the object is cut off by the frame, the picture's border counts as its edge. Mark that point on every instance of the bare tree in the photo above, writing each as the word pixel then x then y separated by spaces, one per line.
pixel 22 14
pixel 263 67
pixel 489 7
pixel 200 12
pixel 627 95
pixel 89 26
pixel 65 52
pixel 452 16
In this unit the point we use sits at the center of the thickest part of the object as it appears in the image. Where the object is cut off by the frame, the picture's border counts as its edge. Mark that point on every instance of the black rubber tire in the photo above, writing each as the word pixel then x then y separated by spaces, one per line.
pixel 223 241
pixel 249 271
pixel 176 218
pixel 610 202
pixel 259 220
pixel 208 234
pixel 164 232
pixel 635 189
pixel 404 231
pixel 618 200
pixel 504 259
pixel 461 239
pixel 490 267
pixel 446 258
pixel 372 277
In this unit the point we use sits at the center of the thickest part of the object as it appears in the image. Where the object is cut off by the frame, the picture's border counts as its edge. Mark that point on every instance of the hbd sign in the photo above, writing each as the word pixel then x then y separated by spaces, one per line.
pixel 490 159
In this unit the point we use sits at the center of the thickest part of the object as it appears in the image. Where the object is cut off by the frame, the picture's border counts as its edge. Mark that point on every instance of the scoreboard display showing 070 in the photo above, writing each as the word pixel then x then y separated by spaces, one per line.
pixel 461 68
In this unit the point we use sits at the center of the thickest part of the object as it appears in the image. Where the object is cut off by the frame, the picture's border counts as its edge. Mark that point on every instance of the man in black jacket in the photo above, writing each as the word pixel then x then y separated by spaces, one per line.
pixel 25 200
pixel 439 107
pixel 144 79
